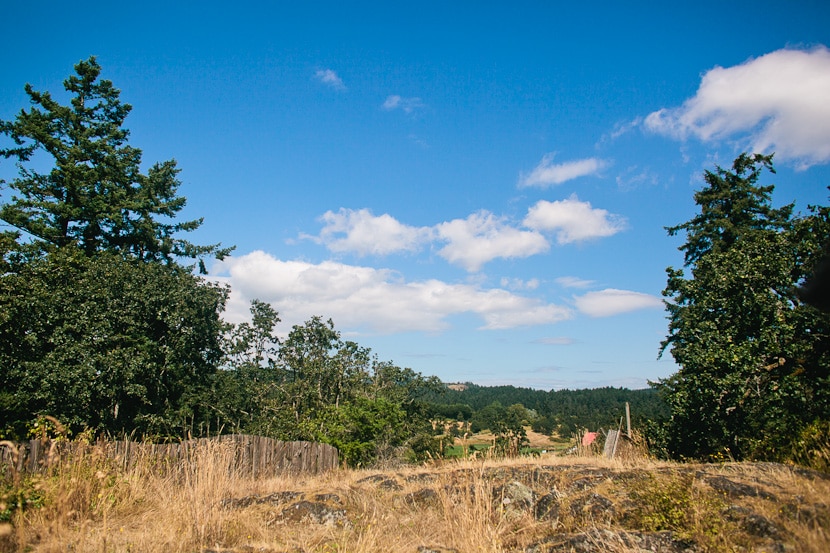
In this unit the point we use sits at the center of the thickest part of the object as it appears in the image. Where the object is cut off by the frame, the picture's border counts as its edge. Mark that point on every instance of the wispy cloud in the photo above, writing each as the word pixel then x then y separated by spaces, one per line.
pixel 572 220
pixel 635 177
pixel 556 341
pixel 548 174
pixel 608 302
pixel 573 282
pixel 777 102
pixel 330 78
pixel 407 105
pixel 375 299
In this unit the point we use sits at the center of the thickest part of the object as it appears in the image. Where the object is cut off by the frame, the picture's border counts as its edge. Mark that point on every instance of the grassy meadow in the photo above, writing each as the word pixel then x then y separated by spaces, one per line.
pixel 548 502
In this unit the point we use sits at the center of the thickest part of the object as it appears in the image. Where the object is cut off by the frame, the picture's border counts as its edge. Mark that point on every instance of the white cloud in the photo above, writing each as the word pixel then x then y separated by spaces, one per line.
pixel 408 105
pixel 517 311
pixel 777 102
pixel 573 282
pixel 482 237
pixel 470 242
pixel 377 299
pixel 608 302
pixel 572 220
pixel 363 233
pixel 330 78
pixel 519 284
pixel 547 174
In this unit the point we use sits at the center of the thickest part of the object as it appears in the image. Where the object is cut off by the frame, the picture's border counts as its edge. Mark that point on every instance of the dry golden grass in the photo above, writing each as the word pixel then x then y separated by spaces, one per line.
pixel 94 504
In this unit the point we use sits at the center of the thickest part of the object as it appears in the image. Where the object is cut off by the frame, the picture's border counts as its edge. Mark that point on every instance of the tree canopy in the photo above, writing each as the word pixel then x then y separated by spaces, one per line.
pixel 100 325
pixel 106 344
pixel 313 385
pixel 753 358
pixel 94 195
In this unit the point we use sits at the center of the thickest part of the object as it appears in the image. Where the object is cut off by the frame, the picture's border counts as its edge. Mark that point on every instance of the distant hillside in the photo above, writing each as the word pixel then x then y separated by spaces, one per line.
pixel 563 411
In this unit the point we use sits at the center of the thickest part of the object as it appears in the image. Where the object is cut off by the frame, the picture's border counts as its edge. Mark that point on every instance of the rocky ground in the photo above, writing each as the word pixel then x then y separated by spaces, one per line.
pixel 580 507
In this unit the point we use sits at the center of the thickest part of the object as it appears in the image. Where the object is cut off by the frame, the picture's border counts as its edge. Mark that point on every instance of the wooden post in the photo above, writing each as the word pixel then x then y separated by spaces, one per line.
pixel 627 420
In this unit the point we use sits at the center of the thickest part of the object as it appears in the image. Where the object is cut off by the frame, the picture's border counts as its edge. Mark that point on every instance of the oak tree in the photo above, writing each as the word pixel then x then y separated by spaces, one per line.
pixel 753 365
pixel 106 344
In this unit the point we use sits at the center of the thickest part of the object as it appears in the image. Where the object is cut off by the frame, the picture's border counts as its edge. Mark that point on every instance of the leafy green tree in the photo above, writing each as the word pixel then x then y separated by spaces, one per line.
pixel 99 324
pixel 545 425
pixel 320 369
pixel 452 411
pixel 94 196
pixel 487 418
pixel 753 360
pixel 335 391
pixel 242 399
pixel 363 428
pixel 510 432
pixel 106 344
pixel 254 343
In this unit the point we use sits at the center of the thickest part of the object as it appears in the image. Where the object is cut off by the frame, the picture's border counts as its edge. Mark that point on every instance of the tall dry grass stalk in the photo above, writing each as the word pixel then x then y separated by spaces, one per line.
pixel 94 503
pixel 90 501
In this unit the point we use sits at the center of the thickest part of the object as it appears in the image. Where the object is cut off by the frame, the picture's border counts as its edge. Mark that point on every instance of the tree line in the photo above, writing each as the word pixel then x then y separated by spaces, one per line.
pixel 555 412
pixel 107 324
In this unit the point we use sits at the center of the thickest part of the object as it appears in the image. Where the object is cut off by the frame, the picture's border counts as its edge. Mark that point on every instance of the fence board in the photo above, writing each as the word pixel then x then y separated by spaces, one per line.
pixel 252 455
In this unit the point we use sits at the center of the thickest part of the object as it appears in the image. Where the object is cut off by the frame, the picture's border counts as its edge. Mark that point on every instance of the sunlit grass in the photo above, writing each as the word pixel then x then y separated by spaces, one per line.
pixel 92 503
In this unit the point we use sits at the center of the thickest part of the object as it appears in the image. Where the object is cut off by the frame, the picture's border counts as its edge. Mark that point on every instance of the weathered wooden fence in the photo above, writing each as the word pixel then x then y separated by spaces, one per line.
pixel 246 455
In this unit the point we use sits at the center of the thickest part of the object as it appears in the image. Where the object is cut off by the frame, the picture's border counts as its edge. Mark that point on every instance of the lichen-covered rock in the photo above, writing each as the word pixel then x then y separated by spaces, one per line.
pixel 593 508
pixel 754 524
pixel 314 512
pixel 276 498
pixel 548 506
pixel 602 541
pixel 737 489
pixel 515 496
pixel 423 498
pixel 383 482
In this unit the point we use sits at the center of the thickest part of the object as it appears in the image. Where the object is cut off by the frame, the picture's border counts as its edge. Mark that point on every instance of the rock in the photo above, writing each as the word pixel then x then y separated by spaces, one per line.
pixel 316 513
pixel 425 497
pixel 330 497
pixel 594 507
pixel 547 507
pixel 754 524
pixel 601 541
pixel 814 516
pixel 423 477
pixel 383 482
pixel 515 496
pixel 761 526
pixel 736 489
pixel 275 498
pixel 581 484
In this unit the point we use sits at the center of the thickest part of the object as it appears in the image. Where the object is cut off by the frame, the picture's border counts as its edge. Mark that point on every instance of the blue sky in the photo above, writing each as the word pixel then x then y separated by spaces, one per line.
pixel 475 191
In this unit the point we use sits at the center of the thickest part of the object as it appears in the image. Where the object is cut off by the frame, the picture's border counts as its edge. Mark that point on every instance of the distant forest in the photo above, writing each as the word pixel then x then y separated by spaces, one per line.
pixel 558 411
